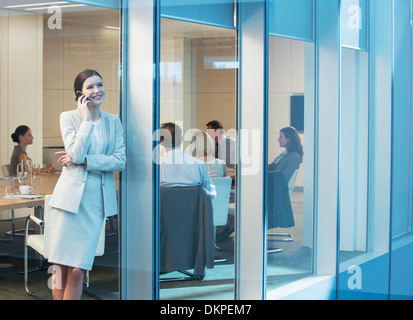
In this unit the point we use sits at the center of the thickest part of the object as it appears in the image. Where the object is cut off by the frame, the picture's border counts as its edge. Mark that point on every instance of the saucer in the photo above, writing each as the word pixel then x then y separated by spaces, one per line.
pixel 31 192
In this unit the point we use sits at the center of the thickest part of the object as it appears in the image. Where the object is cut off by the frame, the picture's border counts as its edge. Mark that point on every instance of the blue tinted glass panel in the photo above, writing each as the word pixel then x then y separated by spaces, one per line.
pixel 354 24
pixel 112 4
pixel 401 140
pixel 291 19
pixel 212 12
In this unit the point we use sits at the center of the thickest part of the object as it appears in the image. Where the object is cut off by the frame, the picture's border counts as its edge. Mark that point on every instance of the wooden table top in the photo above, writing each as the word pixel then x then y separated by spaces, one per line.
pixel 41 186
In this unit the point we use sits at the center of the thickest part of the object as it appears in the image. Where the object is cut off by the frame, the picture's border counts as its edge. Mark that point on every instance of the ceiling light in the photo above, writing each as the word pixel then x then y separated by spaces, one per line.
pixel 68 6
pixel 34 4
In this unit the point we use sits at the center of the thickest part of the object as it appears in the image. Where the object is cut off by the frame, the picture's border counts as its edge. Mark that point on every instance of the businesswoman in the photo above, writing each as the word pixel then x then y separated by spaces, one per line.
pixel 23 137
pixel 289 160
pixel 85 193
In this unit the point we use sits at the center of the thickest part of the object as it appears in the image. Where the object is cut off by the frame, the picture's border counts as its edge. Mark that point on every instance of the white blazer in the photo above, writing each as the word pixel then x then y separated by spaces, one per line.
pixel 76 135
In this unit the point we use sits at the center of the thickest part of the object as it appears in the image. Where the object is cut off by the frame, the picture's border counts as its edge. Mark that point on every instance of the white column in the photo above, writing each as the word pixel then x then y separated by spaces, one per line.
pixel 137 215
pixel 327 41
pixel 250 258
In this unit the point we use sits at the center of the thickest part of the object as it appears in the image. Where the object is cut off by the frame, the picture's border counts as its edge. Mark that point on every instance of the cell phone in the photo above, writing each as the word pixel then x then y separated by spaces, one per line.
pixel 78 95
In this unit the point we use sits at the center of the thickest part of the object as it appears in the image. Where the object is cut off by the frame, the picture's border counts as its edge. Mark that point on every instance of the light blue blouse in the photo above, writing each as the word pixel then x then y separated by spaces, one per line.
pixel 178 169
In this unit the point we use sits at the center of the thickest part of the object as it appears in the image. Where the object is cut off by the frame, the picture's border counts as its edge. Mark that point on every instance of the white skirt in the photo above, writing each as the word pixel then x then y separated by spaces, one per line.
pixel 73 237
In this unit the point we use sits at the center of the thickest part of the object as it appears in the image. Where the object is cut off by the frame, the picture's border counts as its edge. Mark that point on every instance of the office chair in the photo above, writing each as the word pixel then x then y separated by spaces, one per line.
pixel 283 237
pixel 221 201
pixel 220 204
pixel 39 243
pixel 186 232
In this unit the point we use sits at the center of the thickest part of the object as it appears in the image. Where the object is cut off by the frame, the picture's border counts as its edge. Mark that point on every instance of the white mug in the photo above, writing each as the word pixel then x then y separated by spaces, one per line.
pixel 25 189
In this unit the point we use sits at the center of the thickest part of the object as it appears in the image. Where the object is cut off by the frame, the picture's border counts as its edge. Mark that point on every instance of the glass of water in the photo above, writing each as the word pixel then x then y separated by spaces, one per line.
pixel 36 171
pixel 9 187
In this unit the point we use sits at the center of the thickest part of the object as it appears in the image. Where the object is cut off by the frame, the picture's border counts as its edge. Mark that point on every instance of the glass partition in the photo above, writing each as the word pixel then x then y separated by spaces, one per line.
pixel 402 122
pixel 338 208
pixel 44 45
pixel 353 158
pixel 402 134
pixel 365 150
pixel 290 212
pixel 198 70
pixel 290 144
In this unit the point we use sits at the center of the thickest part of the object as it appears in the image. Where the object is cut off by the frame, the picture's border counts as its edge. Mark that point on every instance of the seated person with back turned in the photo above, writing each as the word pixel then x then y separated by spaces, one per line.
pixel 224 146
pixel 289 160
pixel 23 137
pixel 178 169
pixel 202 148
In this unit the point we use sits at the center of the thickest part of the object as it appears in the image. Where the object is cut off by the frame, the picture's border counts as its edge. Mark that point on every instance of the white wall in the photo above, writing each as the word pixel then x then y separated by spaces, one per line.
pixel 21 78
pixel 21 72
pixel 286 78
pixel 70 50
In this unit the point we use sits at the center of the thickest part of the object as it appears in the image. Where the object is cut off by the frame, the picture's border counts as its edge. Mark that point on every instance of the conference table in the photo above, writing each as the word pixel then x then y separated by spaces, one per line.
pixel 41 187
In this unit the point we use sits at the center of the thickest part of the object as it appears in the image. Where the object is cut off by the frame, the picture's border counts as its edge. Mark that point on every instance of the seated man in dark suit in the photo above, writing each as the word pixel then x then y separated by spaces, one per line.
pixel 225 147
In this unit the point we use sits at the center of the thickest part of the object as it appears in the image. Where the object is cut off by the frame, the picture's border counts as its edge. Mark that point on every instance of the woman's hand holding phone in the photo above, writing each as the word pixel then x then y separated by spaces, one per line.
pixel 82 102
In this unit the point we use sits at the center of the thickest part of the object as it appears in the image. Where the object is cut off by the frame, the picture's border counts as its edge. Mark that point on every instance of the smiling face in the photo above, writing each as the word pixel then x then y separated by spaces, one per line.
pixel 94 89
pixel 282 140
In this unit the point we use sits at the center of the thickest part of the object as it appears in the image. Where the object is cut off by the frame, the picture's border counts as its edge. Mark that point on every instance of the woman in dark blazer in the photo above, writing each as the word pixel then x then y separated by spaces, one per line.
pixel 85 193
pixel 289 160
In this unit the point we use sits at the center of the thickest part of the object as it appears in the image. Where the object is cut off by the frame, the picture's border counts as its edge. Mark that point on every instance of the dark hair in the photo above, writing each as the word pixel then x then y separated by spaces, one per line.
pixel 81 78
pixel 173 138
pixel 216 125
pixel 294 142
pixel 20 131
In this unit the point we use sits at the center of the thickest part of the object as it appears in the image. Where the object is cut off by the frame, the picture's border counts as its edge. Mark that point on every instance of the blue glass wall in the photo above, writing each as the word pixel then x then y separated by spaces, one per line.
pixel 291 19
pixel 402 141
pixel 401 278
pixel 385 33
pixel 354 22
pixel 212 12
